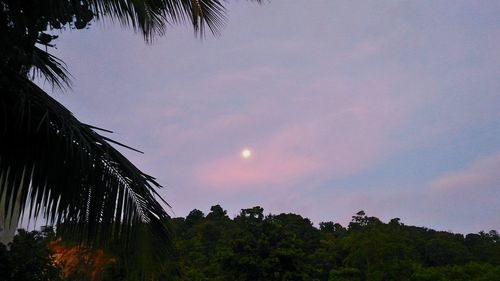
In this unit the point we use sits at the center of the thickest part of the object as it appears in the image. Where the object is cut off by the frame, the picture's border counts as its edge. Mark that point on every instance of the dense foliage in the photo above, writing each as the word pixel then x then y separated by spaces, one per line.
pixel 29 258
pixel 253 246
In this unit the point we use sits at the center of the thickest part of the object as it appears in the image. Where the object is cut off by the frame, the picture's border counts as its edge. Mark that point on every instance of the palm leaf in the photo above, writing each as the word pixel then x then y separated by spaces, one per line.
pixel 152 17
pixel 50 67
pixel 68 173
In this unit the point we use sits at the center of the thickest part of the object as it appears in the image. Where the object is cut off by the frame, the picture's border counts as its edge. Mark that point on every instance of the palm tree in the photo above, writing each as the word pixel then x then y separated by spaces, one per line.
pixel 53 165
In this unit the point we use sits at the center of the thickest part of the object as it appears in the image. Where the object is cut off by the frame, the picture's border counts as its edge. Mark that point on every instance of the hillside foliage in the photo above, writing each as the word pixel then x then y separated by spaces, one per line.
pixel 253 246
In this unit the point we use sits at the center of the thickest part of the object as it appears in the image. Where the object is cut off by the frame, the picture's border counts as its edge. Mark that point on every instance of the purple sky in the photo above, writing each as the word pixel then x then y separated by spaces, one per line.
pixel 387 106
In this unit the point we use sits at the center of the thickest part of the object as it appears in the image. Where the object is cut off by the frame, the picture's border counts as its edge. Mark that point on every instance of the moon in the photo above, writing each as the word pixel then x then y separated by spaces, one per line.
pixel 246 153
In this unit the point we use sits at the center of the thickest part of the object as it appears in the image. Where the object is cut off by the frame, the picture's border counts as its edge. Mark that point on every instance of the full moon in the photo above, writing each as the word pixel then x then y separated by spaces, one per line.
pixel 246 153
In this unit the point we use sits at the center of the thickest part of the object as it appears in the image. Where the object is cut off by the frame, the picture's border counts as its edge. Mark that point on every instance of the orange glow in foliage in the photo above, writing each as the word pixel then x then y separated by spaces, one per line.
pixel 80 260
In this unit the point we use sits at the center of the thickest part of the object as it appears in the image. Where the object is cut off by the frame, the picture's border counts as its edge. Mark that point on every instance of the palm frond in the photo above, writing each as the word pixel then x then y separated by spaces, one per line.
pixel 152 17
pixel 51 68
pixel 68 173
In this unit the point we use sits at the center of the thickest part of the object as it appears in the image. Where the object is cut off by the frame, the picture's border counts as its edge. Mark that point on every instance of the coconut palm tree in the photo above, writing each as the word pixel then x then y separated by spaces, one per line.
pixel 53 165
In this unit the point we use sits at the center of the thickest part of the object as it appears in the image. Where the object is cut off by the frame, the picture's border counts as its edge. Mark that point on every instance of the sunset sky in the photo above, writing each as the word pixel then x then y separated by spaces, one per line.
pixel 392 107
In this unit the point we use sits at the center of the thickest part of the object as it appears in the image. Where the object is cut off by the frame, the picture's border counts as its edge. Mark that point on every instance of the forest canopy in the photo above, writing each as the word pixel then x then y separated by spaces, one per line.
pixel 255 246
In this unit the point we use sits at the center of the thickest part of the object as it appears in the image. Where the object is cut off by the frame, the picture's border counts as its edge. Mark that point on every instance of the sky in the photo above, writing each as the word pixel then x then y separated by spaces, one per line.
pixel 391 107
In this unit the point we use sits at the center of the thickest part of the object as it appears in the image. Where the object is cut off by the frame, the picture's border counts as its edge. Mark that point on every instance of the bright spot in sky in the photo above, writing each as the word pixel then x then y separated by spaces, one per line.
pixel 246 153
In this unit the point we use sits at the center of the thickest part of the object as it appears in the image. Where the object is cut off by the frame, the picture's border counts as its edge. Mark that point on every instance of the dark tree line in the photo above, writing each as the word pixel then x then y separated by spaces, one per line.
pixel 253 246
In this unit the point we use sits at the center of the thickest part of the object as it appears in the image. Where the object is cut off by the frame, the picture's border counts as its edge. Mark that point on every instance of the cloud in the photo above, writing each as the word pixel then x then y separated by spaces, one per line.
pixel 482 174
pixel 330 129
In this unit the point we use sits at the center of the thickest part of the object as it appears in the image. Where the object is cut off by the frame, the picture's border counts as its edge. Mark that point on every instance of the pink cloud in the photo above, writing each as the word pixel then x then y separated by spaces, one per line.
pixel 347 132
pixel 275 168
pixel 483 174
pixel 301 129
